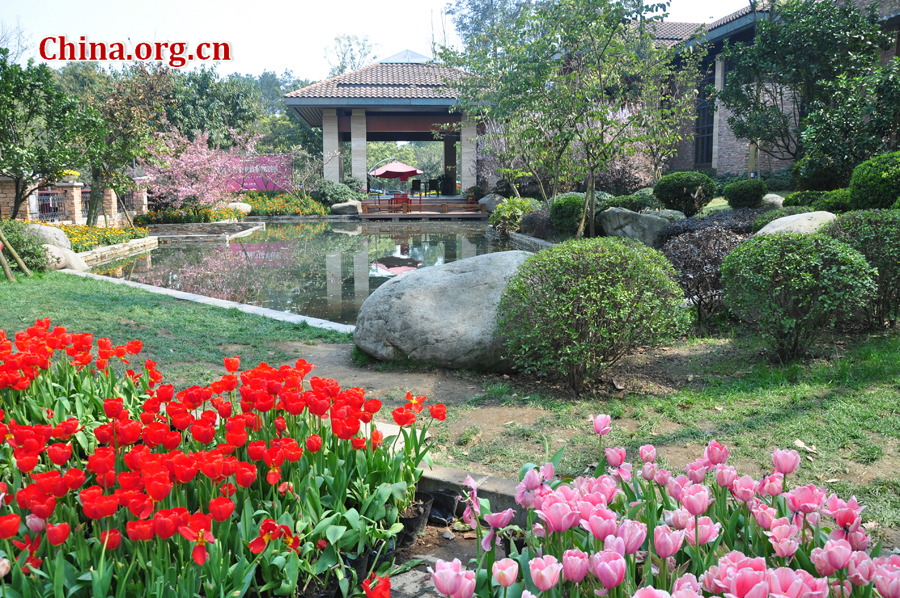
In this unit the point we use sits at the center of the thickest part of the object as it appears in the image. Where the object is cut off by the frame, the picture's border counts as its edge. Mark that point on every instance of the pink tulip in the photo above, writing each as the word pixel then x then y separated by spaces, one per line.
pixel 749 583
pixel 466 586
pixel 648 453
pixel 805 499
pixel 575 565
pixel 716 453
pixel 686 593
pixel 633 534
pixel 558 517
pixel 678 518
pixel 704 528
pixel 622 473
pixel 695 499
pixel 847 519
pixel 677 485
pixel 614 544
pixel 667 541
pixel 764 515
pixel 696 470
pixel 725 475
pixel 784 581
pixel 861 569
pixel 501 519
pixel 783 538
pixel 601 523
pixel 532 479
pixel 651 593
pixel 609 568
pixel 686 582
pixel 447 577
pixel 662 477
pixel 841 590
pixel 545 572
pixel 648 471
pixel 744 488
pixel 887 581
pixel 772 485
pixel 537 530
pixel 786 461
pixel 505 572
pixel 601 424
pixel 858 540
pixel 548 470
pixel 838 553
pixel 35 523
pixel 615 456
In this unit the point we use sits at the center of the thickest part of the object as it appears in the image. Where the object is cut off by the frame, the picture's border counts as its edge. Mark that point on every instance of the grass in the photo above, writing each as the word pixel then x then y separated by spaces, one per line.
pixel 187 340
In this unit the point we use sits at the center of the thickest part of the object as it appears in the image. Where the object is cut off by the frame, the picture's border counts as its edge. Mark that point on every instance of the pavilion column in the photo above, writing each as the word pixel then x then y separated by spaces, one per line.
pixel 358 144
pixel 331 145
pixel 468 138
pixel 449 185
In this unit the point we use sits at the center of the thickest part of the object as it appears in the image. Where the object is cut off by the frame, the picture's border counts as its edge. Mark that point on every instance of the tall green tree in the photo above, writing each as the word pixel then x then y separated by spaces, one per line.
pixel 349 53
pixel 41 128
pixel 799 47
pixel 477 21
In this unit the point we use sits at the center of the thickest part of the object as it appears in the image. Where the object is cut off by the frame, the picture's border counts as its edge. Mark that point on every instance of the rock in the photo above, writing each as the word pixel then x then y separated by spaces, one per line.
pixel 240 206
pixel 773 202
pixel 491 201
pixel 798 223
pixel 56 259
pixel 619 222
pixel 670 215
pixel 445 315
pixel 348 208
pixel 448 535
pixel 50 235
pixel 73 262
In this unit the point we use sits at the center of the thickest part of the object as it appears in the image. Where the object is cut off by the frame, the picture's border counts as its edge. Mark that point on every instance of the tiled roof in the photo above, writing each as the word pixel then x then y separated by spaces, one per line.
pixel 669 33
pixel 762 7
pixel 385 80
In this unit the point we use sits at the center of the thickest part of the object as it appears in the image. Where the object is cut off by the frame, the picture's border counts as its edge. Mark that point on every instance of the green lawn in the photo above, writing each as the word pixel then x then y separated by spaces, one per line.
pixel 187 340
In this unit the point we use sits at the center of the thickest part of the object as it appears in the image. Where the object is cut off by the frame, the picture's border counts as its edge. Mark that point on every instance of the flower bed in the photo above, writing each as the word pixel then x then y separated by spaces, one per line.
pixel 262 482
pixel 283 204
pixel 191 215
pixel 85 238
pixel 652 534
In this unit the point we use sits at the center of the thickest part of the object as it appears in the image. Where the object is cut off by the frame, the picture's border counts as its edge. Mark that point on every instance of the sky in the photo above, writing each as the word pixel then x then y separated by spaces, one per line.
pixel 266 35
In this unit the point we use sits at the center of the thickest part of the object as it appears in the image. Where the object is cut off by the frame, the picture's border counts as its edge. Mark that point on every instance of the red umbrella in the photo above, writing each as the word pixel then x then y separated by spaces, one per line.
pixel 396 170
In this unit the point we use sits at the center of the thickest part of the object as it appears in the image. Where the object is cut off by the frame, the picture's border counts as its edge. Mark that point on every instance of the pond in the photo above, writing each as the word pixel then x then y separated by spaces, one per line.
pixel 322 270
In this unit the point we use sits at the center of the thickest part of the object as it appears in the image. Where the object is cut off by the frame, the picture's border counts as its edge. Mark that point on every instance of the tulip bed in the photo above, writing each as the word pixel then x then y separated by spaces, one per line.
pixel 653 534
pixel 263 482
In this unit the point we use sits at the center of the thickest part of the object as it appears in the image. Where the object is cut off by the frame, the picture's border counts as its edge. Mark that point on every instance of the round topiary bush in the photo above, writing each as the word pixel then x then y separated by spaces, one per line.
pixel 697 257
pixel 686 192
pixel 579 306
pixel 566 212
pixel 746 194
pixel 802 198
pixel 876 182
pixel 836 202
pixel 794 286
pixel 876 235
pixel 28 246
pixel 773 215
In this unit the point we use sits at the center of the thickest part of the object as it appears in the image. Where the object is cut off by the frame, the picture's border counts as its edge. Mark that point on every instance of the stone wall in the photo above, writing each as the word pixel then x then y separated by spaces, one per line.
pixel 118 251
pixel 7 197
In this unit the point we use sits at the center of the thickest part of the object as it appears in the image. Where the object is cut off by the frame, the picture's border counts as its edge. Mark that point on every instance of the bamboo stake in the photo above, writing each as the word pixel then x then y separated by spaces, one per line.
pixel 6 269
pixel 15 254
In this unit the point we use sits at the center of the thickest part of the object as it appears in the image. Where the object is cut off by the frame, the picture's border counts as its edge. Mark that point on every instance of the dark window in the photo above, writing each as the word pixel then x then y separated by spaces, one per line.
pixel 703 140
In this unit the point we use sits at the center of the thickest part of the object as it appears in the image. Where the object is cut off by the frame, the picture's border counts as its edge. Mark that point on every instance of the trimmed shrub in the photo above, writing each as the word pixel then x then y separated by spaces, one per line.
pixel 29 247
pixel 353 183
pixel 635 203
pixel 577 307
pixel 537 224
pixel 876 235
pixel 818 174
pixel 697 257
pixel 739 222
pixel 795 286
pixel 566 212
pixel 330 193
pixel 188 215
pixel 508 215
pixel 686 192
pixel 646 191
pixel 836 201
pixel 773 215
pixel 802 198
pixel 746 194
pixel 875 183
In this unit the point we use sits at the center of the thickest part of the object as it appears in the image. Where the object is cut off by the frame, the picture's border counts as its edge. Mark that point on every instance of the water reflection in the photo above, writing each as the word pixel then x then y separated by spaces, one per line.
pixel 324 270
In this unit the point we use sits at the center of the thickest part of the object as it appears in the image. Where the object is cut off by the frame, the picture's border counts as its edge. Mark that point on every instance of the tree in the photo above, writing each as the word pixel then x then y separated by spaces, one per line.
pixel 14 39
pixel 187 171
pixel 349 53
pixel 476 21
pixel 40 128
pixel 773 82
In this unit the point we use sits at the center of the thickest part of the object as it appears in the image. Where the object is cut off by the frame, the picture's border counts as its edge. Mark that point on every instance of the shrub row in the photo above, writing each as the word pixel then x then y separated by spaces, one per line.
pixel 85 238
pixel 283 204
pixel 188 215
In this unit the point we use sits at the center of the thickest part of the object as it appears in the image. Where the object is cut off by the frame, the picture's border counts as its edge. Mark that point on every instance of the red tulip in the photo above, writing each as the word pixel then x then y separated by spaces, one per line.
pixel 112 539
pixel 198 531
pixel 268 530
pixel 166 523
pixel 314 443
pixel 382 589
pixel 102 461
pixel 134 347
pixel 403 417
pixel 26 462
pixel 74 479
pixel 438 412
pixel 256 450
pixel 140 531
pixel 60 453
pixel 203 432
pixel 232 364
pixel 96 505
pixel 221 508
pixel 113 407
pixel 43 507
pixel 236 437
pixel 9 526
pixel 58 534
pixel 245 475
pixel 186 468
pixel 154 433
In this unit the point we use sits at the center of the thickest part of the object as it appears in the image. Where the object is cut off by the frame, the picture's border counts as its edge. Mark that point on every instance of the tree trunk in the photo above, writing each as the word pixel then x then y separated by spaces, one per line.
pixel 19 199
pixel 96 198
pixel 593 206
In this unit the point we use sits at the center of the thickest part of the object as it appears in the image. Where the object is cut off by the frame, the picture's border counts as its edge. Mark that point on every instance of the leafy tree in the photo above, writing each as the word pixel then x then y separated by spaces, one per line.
pixel 15 39
pixel 349 53
pixel 187 171
pixel 40 128
pixel 282 131
pixel 773 82
pixel 476 21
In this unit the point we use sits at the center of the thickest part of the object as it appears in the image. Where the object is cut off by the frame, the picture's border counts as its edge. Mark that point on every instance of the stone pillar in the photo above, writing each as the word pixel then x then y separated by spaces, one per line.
pixel 468 168
pixel 111 205
pixel 361 275
pixel 449 185
pixel 720 85
pixel 333 298
pixel 358 145
pixel 331 145
pixel 140 195
pixel 7 197
pixel 72 201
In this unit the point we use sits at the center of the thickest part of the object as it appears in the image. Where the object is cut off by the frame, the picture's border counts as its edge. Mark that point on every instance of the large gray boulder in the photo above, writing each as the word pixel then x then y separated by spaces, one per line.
pixel 670 215
pixel 56 259
pixel 491 201
pixel 348 208
pixel 49 235
pixel 240 206
pixel 73 261
pixel 619 222
pixel 445 315
pixel 773 201
pixel 798 223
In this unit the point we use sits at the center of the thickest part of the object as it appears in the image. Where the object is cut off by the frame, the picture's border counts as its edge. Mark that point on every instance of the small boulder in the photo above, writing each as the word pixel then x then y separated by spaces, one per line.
pixel 73 262
pixel 491 201
pixel 445 315
pixel 240 206
pixel 56 259
pixel 50 235
pixel 798 223
pixel 348 208
pixel 619 222
pixel 773 201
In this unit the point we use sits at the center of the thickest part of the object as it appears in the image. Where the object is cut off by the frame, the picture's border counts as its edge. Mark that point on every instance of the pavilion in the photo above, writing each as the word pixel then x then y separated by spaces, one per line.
pixel 399 98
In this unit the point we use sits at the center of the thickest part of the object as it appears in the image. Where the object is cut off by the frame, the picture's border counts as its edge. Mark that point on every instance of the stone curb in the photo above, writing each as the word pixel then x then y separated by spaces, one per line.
pixel 250 309
pixel 500 491
pixel 108 253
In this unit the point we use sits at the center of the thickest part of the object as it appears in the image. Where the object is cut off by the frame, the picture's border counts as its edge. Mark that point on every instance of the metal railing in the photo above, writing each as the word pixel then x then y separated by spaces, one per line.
pixel 85 201
pixel 51 206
